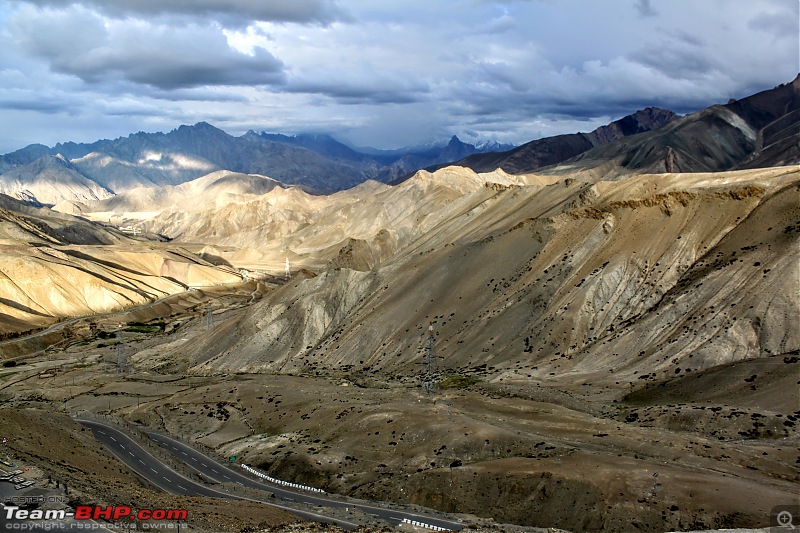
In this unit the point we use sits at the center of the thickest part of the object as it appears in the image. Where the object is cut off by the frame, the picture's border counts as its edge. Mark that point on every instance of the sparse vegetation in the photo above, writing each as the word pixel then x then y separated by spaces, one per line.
pixel 144 329
pixel 458 381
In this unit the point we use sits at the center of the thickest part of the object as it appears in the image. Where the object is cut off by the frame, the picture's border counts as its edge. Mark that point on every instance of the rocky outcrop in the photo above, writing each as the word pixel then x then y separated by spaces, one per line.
pixel 647 119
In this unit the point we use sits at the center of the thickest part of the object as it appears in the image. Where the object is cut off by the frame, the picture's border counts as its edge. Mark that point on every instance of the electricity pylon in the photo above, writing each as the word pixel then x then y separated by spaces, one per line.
pixel 430 378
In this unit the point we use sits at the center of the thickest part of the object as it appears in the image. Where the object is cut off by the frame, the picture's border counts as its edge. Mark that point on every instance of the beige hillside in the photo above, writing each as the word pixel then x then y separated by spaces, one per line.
pixel 54 266
pixel 652 275
pixel 591 334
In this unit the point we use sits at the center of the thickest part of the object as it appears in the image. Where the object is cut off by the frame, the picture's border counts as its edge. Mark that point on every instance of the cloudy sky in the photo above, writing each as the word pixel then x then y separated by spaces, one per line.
pixel 385 73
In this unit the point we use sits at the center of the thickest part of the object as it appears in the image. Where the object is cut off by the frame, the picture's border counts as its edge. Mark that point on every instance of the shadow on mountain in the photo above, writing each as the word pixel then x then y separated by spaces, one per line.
pixel 216 260
pixel 20 307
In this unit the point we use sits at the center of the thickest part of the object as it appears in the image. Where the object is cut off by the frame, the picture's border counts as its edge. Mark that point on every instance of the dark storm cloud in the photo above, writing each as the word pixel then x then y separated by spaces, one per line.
pixel 82 44
pixel 189 71
pixel 234 11
pixel 36 103
pixel 645 9
pixel 781 25
pixel 679 57
pixel 666 76
pixel 194 94
pixel 346 92
pixel 386 72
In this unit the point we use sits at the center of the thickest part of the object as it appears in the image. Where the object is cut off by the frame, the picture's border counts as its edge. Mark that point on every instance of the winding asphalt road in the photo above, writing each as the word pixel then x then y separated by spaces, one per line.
pixel 151 468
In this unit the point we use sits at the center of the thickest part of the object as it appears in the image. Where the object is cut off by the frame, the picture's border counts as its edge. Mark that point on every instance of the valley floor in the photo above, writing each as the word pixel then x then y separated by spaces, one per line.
pixel 577 456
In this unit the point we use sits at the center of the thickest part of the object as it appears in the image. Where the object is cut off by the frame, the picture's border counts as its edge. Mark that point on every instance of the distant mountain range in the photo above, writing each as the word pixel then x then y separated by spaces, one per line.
pixel 758 131
pixel 91 171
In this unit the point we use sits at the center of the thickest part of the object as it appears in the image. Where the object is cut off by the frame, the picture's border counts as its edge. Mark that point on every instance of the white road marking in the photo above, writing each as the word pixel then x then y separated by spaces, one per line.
pixel 112 438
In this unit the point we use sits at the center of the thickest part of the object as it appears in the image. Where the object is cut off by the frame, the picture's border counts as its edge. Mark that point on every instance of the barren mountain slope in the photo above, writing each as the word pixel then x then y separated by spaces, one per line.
pixel 713 139
pixel 208 193
pixel 591 335
pixel 54 265
pixel 217 188
pixel 553 150
pixel 609 279
pixel 49 180
pixel 758 131
pixel 260 232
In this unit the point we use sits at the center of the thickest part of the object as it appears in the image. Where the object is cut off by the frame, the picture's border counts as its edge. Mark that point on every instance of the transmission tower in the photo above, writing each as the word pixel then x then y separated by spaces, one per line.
pixel 430 378
pixel 288 274
pixel 209 318
pixel 122 358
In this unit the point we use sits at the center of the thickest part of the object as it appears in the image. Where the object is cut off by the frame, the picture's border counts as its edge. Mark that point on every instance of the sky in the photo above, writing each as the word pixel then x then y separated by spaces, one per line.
pixel 381 73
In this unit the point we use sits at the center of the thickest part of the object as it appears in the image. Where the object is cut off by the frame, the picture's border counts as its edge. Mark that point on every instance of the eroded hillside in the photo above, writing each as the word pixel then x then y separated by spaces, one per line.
pixel 655 275
pixel 626 348
pixel 54 266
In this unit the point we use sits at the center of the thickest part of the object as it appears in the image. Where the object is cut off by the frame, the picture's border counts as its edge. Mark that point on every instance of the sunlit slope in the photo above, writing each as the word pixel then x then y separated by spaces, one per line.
pixel 654 274
pixel 54 266
pixel 311 230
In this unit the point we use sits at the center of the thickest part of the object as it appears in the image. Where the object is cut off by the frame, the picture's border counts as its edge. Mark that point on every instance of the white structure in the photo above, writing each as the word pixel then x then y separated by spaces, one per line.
pixel 130 229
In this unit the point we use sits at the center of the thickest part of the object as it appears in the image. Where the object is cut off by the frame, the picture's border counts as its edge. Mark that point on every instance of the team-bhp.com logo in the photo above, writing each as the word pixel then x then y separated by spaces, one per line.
pixel 117 512
pixel 97 512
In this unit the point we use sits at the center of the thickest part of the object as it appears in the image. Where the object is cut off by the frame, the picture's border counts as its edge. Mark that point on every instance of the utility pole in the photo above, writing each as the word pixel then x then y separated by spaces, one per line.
pixel 288 274
pixel 122 358
pixel 430 378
